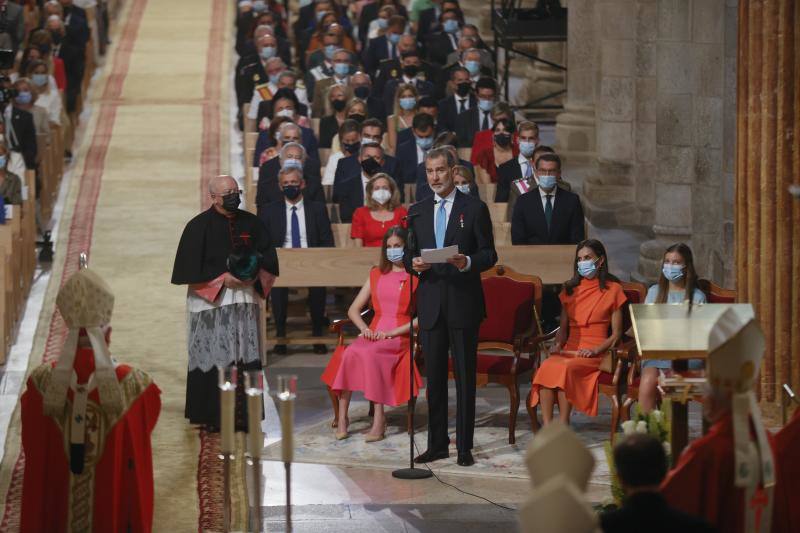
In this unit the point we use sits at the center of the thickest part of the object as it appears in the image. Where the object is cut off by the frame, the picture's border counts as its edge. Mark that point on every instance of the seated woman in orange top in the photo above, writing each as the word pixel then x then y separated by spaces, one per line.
pixel 591 323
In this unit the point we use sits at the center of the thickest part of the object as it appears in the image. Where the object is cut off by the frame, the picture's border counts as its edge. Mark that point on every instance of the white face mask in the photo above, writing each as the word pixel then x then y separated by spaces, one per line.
pixel 288 113
pixel 463 188
pixel 381 196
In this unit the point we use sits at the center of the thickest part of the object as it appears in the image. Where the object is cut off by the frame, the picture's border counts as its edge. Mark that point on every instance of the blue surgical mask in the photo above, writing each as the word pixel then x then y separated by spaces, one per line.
pixel 672 272
pixel 40 80
pixel 394 38
pixel 3 160
pixel 24 97
pixel 450 25
pixel 341 69
pixel 526 148
pixel 319 15
pixel 587 269
pixel 292 163
pixel 424 142
pixel 383 23
pixel 395 255
pixel 304 3
pixel 485 105
pixel 329 50
pixel 259 6
pixel 268 52
pixel 547 182
pixel 474 67
pixel 273 78
pixel 463 188
pixel 408 103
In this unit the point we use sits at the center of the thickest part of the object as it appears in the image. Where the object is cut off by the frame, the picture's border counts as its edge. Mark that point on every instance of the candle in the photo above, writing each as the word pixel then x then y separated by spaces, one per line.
pixel 227 394
pixel 255 438
pixel 287 429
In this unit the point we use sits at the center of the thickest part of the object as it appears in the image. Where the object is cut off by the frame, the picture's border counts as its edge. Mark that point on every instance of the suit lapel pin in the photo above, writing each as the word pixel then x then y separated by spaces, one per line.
pixel 461 220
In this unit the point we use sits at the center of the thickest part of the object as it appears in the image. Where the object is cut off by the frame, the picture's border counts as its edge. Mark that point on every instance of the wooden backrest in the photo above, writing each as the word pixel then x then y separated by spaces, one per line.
pixel 716 294
pixel 510 298
pixel 502 233
pixel 341 235
pixel 635 292
pixel 497 210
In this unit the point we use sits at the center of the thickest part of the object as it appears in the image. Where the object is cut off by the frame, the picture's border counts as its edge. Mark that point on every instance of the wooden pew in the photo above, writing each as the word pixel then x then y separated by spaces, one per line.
pixel 10 243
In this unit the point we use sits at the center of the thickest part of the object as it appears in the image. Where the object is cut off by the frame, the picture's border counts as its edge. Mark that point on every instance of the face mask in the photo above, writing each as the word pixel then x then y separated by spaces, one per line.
pixel 40 80
pixel 526 148
pixel 291 192
pixel 358 117
pixel 273 78
pixel 485 105
pixel 450 25
pixel 395 255
pixel 361 92
pixel 351 148
pixel 341 69
pixel 394 38
pixel 381 196
pixel 304 3
pixel 408 103
pixel 329 50
pixel 587 269
pixel 288 113
pixel 268 52
pixel 2 161
pixel 502 140
pixel 672 272
pixel 547 182
pixel 230 202
pixel 410 70
pixel 319 15
pixel 370 140
pixel 370 166
pixel 424 142
pixel 463 188
pixel 462 89
pixel 24 98
pixel 338 105
pixel 57 37
pixel 473 67
pixel 259 6
pixel 383 23
pixel 292 163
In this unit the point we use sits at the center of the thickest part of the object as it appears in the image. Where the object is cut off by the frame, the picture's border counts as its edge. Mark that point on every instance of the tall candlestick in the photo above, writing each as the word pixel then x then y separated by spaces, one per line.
pixel 287 431
pixel 287 392
pixel 255 437
pixel 227 392
pixel 253 388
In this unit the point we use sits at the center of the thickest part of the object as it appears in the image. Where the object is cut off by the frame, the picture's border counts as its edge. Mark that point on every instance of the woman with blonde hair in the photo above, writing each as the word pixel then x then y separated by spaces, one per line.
pixel 382 210
pixel 405 109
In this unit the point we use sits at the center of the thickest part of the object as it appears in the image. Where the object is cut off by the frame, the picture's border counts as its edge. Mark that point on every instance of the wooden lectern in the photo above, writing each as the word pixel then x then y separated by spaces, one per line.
pixel 678 332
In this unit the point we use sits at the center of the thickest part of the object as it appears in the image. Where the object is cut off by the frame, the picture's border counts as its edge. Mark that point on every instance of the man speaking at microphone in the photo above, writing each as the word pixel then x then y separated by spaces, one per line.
pixel 450 304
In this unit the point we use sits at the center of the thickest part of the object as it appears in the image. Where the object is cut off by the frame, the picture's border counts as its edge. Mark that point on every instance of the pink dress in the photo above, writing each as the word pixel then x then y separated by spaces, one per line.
pixel 379 368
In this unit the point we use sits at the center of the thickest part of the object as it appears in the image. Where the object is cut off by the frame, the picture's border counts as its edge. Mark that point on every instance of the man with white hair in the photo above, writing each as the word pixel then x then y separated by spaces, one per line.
pixel 226 260
pixel 292 154
pixel 342 66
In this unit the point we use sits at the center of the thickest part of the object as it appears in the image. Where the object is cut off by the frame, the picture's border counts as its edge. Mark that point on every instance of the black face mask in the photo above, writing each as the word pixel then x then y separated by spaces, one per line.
pixel 370 166
pixel 502 139
pixel 230 202
pixel 361 92
pixel 462 89
pixel 351 148
pixel 339 105
pixel 291 192
pixel 410 70
pixel 358 117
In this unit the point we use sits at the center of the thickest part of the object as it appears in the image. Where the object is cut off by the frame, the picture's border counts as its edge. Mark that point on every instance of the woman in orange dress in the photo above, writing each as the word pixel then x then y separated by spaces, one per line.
pixel 591 323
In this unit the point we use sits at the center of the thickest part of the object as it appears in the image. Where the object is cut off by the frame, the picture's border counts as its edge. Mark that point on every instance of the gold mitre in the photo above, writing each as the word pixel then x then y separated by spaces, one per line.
pixel 735 349
pixel 85 300
pixel 557 506
pixel 556 450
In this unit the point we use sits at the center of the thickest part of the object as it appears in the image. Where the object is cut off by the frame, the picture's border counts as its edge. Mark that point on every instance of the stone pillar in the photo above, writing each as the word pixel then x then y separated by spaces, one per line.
pixel 767 164
pixel 575 127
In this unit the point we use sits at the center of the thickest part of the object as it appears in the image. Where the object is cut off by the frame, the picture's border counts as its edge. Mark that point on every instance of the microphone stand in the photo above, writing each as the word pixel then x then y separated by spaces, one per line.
pixel 411 472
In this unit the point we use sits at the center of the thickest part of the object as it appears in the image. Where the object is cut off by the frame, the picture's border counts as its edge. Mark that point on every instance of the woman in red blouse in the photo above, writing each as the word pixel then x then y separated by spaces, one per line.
pixel 382 211
pixel 503 147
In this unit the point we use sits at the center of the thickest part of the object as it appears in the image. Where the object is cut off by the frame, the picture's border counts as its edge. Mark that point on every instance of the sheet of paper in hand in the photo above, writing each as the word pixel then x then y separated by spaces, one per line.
pixel 439 255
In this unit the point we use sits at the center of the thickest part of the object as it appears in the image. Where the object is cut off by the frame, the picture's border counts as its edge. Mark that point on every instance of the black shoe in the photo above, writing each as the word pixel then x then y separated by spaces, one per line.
pixel 320 349
pixel 465 459
pixel 428 456
pixel 280 349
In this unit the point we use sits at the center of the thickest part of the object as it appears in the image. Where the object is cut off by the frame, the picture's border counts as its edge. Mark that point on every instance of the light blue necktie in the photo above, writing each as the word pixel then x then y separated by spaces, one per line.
pixel 441 224
pixel 528 171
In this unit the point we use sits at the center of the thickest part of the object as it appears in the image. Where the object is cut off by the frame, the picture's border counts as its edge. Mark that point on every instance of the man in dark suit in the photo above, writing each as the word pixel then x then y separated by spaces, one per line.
pixel 426 105
pixel 461 99
pixel 384 46
pixel 450 303
pixel 441 44
pixel 292 155
pixel 412 152
pixel 350 194
pixel 294 222
pixel 479 117
pixel 390 69
pixel 361 84
pixel 548 214
pixel 349 168
pixel 71 44
pixel 411 66
pixel 288 132
pixel 641 465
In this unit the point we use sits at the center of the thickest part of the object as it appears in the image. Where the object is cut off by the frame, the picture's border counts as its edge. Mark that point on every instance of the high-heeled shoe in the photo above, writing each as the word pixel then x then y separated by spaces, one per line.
pixel 376 438
pixel 341 435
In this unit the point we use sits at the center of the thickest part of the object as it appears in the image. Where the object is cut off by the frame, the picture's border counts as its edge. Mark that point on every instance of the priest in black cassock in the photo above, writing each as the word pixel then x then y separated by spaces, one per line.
pixel 227 261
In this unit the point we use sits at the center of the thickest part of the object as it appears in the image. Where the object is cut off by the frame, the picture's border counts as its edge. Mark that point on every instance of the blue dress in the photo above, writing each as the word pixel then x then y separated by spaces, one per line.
pixel 673 297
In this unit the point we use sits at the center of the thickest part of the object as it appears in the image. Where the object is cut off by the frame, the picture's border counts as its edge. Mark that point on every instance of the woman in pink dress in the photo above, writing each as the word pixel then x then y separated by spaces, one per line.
pixel 376 363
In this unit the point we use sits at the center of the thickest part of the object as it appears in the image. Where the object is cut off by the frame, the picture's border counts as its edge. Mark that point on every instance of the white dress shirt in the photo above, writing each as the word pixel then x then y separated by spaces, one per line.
pixel 458 103
pixel 448 208
pixel 301 218
pixel 364 181
pixel 420 153
pixel 525 162
pixel 552 194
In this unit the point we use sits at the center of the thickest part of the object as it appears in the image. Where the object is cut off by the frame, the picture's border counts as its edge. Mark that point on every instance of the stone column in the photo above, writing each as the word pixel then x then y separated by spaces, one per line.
pixel 767 164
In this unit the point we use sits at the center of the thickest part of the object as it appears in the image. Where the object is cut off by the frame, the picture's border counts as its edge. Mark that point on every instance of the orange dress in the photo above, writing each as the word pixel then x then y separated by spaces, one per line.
pixel 589 309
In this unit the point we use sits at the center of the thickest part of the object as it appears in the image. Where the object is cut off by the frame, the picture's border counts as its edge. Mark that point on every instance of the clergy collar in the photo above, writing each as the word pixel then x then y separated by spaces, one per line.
pixel 450 197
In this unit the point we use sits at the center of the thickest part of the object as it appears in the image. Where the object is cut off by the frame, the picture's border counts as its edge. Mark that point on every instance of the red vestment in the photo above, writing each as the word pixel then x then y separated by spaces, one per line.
pixel 787 464
pixel 115 490
pixel 702 483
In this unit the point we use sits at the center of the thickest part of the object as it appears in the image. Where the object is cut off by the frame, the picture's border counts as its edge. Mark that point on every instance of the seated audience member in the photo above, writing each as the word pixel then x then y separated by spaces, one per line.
pixel 412 152
pixel 47 96
pixel 328 24
pixel 20 130
pixel 350 194
pixel 502 149
pixel 377 362
pixel 348 168
pixel 392 69
pixel 41 120
pixel 641 465
pixel 441 44
pixel 356 109
pixel 548 214
pixel 384 46
pixel 403 112
pixel 446 139
pixel 42 40
pixel 676 284
pixel 370 13
pixel 460 100
pixel 297 222
pixel 591 323
pixel 483 142
pixel 323 61
pixel 464 180
pixel 470 34
pixel 10 184
pixel 471 59
pixel 479 117
pixel 382 210
pixel 377 26
pixel 275 145
pixel 412 74
pixel 361 84
pixel 427 17
pixel 337 98
pixel 350 137
pixel 285 106
pixel 264 88
pixel 292 155
pixel 518 176
pixel 341 76
pixel 286 80
pixel 334 37
pixel 425 106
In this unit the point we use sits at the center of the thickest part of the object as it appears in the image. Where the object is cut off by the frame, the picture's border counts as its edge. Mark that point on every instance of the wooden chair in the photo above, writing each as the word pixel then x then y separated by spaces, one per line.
pixel 513 305
pixel 716 294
